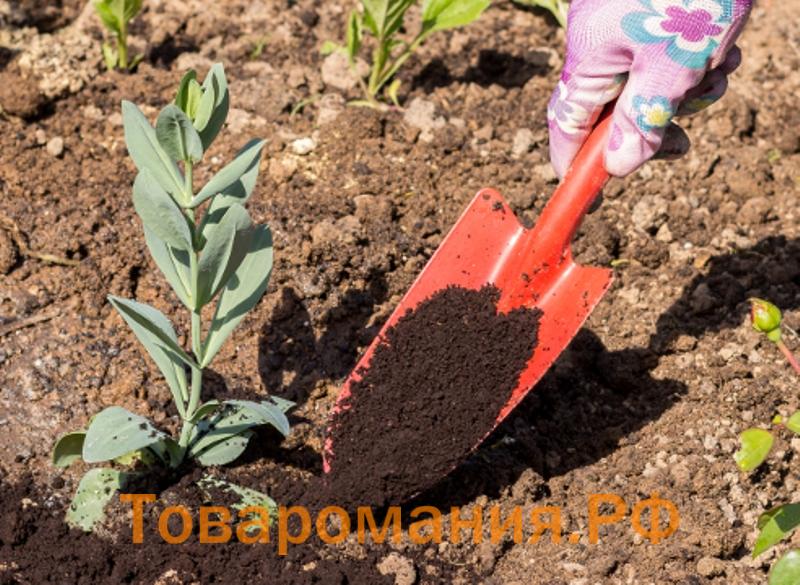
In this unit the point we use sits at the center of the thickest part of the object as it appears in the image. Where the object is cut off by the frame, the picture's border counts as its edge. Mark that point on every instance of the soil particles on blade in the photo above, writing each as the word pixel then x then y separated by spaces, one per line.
pixel 433 389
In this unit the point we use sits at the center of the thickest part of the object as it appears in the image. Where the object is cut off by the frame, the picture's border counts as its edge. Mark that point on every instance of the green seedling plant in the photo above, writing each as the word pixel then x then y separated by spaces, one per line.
pixel 116 16
pixel 384 21
pixel 780 522
pixel 216 258
pixel 558 8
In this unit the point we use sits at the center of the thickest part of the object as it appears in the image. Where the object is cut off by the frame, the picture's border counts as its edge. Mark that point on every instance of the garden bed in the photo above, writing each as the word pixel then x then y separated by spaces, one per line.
pixel 649 398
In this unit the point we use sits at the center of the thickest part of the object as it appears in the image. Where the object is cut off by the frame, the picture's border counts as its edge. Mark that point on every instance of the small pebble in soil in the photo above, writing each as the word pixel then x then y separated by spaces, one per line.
pixel 337 73
pixel 303 146
pixel 401 567
pixel 710 567
pixel 421 114
pixel 55 147
pixel 523 141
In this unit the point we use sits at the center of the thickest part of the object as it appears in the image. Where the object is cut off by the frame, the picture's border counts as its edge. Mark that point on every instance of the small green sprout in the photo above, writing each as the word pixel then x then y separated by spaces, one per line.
pixel 756 444
pixel 780 522
pixel 384 19
pixel 220 257
pixel 767 319
pixel 258 47
pixel 116 15
pixel 558 8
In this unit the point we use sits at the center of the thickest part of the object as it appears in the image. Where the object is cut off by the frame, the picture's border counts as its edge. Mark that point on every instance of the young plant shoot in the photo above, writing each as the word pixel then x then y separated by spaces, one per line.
pixel 116 16
pixel 780 522
pixel 383 19
pixel 558 8
pixel 218 258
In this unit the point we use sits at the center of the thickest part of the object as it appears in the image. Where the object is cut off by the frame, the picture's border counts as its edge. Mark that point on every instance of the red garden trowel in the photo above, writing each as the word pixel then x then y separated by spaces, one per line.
pixel 532 268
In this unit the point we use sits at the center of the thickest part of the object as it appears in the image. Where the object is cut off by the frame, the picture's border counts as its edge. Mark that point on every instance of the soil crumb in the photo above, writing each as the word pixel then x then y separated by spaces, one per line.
pixel 434 387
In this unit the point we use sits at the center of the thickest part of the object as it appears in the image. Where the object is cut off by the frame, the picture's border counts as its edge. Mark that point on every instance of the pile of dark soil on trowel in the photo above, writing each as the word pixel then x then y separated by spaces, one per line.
pixel 433 390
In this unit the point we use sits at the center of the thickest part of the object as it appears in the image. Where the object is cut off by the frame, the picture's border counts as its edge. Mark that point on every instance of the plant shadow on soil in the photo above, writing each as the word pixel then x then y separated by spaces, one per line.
pixel 289 348
pixel 493 68
pixel 540 12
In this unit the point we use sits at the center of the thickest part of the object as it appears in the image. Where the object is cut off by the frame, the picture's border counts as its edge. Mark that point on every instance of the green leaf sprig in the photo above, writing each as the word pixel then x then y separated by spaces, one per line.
pixel 558 8
pixel 116 16
pixel 384 19
pixel 220 257
pixel 780 522
pixel 756 444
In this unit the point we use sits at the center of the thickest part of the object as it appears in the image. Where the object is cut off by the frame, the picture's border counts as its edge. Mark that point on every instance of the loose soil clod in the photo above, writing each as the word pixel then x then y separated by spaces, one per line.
pixel 433 390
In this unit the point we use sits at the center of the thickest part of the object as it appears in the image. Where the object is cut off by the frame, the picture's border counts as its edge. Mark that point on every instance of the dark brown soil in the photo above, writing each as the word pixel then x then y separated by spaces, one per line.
pixel 434 388
pixel 36 546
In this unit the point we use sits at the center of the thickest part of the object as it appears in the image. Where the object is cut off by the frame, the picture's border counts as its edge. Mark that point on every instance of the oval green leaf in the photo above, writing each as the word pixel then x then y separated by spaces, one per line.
pixel 241 293
pixel 146 152
pixel 444 14
pixel 95 491
pixel 355 34
pixel 68 448
pixel 106 15
pixel 787 570
pixel 110 56
pixel 755 446
pixel 155 332
pixel 212 111
pixel 152 321
pixel 265 413
pixel 115 432
pixel 793 424
pixel 182 97
pixel 775 525
pixel 159 213
pixel 132 8
pixel 173 263
pixel 177 135
pixel 225 451
pixel 224 251
pixel 247 497
pixel 237 178
pixel 205 410
pixel 234 419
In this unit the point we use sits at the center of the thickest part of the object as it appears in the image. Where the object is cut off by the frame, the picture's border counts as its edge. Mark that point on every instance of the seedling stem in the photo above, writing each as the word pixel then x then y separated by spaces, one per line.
pixel 789 356
pixel 383 19
pixel 122 45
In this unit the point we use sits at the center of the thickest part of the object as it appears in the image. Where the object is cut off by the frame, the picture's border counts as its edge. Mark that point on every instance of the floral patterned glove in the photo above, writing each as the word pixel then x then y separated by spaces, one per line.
pixel 660 57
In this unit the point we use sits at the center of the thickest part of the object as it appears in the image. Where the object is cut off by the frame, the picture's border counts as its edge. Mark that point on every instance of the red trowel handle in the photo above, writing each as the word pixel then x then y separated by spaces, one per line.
pixel 574 196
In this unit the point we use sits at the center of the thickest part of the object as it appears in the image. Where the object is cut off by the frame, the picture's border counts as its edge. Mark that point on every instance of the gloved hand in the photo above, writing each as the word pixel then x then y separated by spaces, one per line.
pixel 660 57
